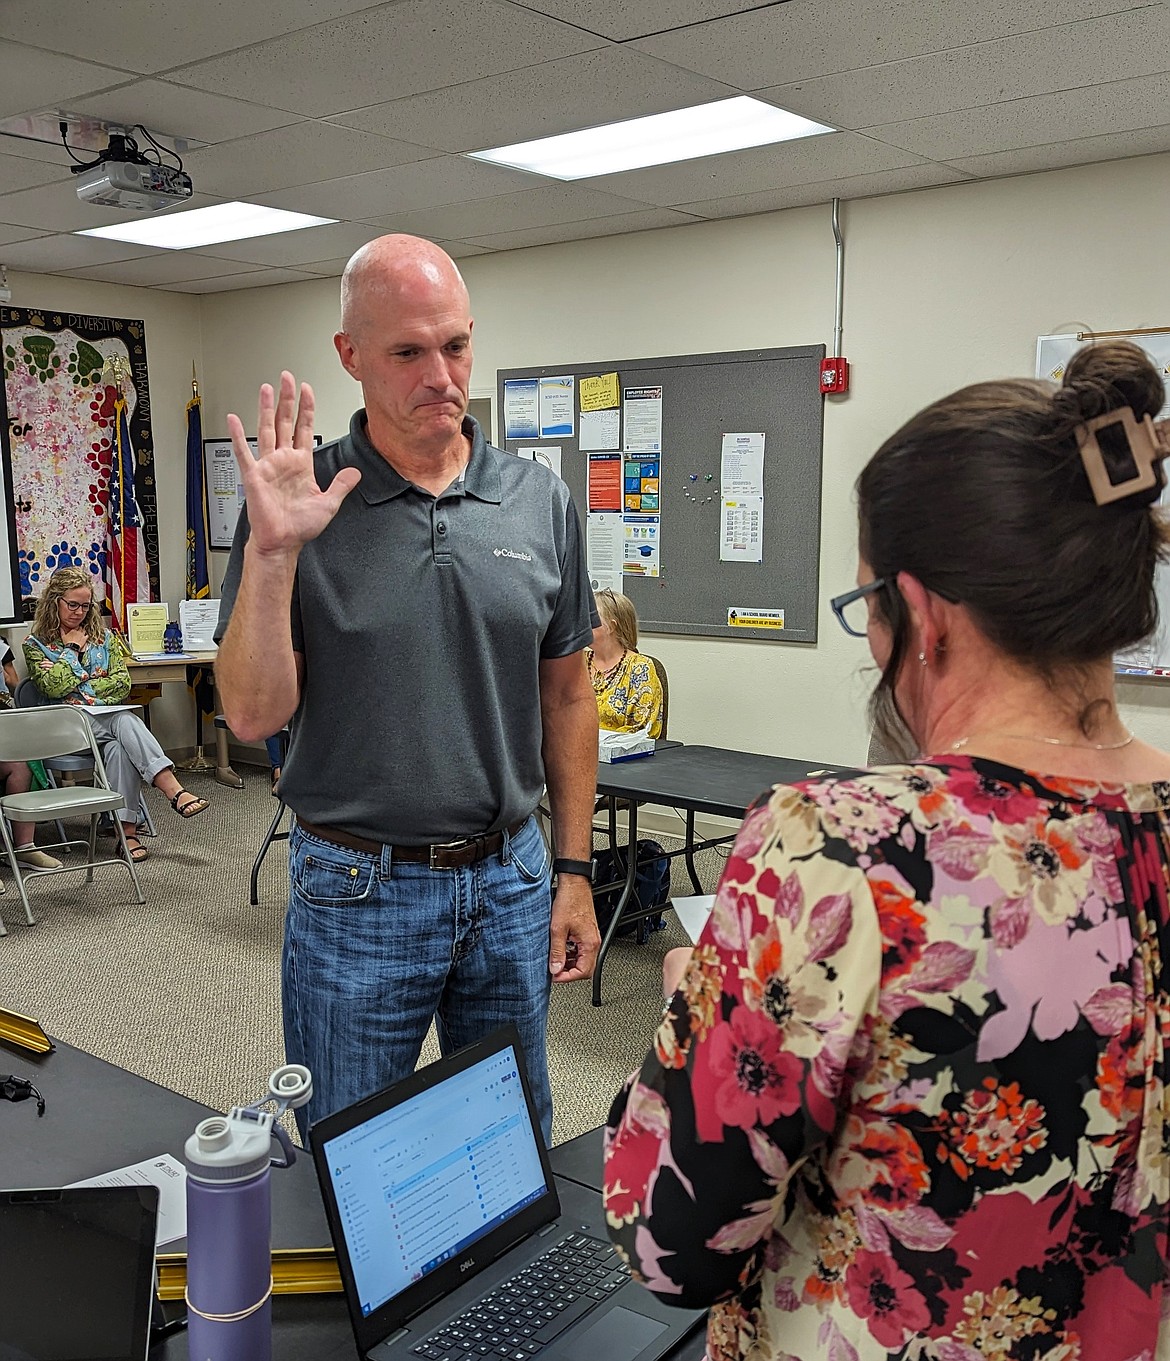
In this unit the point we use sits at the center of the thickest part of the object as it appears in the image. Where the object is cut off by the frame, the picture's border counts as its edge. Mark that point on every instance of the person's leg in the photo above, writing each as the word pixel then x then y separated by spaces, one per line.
pixel 16 778
pixel 151 762
pixel 367 947
pixel 500 971
pixel 274 746
pixel 121 772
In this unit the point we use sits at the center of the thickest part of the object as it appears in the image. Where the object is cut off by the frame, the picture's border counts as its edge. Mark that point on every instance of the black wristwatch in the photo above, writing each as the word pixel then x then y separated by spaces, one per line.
pixel 582 867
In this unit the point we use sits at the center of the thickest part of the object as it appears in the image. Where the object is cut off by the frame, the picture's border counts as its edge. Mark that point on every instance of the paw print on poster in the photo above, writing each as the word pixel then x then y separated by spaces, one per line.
pixel 30 572
pixel 62 555
pixel 96 555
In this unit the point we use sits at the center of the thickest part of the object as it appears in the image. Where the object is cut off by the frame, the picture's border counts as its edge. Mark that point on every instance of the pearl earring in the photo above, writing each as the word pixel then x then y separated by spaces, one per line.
pixel 922 658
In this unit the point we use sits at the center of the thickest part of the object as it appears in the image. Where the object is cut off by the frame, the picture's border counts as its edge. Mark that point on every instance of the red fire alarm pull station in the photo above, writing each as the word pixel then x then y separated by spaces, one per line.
pixel 835 374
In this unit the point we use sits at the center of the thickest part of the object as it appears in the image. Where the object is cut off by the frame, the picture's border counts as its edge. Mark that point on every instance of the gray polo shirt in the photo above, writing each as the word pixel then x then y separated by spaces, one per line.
pixel 423 621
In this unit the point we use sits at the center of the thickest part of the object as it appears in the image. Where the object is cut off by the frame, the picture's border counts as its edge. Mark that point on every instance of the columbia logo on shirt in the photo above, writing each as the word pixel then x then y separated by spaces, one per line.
pixel 511 553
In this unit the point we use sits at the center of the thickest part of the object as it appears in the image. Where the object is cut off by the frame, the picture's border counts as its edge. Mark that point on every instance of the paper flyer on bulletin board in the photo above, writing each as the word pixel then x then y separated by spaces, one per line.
pixel 643 420
pixel 521 409
pixel 641 547
pixel 604 551
pixel 599 392
pixel 548 454
pixel 605 482
pixel 556 406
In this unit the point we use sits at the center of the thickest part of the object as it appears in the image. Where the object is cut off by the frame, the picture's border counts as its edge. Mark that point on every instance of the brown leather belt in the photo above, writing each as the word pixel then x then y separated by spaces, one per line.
pixel 447 855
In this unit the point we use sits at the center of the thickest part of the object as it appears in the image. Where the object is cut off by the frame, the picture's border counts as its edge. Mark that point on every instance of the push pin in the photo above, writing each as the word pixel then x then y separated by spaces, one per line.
pixel 694 477
pixel 710 477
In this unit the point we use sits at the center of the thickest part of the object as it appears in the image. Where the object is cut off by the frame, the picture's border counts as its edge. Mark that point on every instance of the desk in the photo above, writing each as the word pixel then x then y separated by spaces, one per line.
pixel 698 780
pixel 98 1117
pixel 163 672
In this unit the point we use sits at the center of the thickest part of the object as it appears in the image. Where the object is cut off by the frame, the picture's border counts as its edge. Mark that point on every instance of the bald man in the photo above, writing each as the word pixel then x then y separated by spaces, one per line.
pixel 416 604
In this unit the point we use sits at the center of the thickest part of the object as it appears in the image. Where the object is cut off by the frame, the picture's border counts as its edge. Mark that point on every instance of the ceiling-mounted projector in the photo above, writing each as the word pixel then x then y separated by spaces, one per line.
pixel 123 177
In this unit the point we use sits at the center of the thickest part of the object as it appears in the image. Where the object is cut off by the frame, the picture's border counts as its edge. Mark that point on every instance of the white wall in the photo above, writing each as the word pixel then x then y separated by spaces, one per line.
pixel 943 287
pixel 173 340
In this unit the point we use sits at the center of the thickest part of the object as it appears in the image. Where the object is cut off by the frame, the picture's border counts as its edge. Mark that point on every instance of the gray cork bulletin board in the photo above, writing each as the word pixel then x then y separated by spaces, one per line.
pixel 705 396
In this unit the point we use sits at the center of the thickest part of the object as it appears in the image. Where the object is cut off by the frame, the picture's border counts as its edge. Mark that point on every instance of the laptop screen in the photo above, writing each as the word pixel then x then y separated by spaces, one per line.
pixel 77 1273
pixel 418 1183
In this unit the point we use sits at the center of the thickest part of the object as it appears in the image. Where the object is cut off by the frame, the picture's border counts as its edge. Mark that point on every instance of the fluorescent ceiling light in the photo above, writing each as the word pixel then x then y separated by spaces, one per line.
pixel 660 138
pixel 207 226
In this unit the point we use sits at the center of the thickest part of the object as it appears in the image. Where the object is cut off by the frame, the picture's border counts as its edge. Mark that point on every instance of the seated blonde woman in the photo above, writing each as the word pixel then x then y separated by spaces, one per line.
pixel 629 693
pixel 72 658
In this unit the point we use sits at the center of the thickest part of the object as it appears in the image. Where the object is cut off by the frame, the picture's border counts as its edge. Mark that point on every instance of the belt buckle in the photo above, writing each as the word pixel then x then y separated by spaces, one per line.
pixel 455 845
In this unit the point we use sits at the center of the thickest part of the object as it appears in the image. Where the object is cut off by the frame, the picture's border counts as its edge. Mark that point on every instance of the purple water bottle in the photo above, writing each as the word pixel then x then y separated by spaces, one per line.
pixel 229 1223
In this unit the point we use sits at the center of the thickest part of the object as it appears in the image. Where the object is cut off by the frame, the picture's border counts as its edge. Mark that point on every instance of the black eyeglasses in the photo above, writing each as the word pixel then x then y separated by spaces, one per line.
pixel 851 610
pixel 76 604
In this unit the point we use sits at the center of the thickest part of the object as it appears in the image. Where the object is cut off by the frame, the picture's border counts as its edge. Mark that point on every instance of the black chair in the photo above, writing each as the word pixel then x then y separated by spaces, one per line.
pixel 274 832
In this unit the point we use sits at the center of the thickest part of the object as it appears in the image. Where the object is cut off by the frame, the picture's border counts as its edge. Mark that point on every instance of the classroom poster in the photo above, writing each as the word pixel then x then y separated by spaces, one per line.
pixel 641 485
pixel 605 482
pixel 640 555
pixel 521 401
pixel 548 454
pixel 643 420
pixel 604 550
pixel 556 406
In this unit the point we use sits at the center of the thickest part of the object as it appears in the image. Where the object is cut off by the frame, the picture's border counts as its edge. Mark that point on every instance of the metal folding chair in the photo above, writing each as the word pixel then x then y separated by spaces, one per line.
pixel 44 734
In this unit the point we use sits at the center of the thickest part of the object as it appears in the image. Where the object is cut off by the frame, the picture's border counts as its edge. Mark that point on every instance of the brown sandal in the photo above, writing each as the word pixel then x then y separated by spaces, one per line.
pixel 138 852
pixel 192 807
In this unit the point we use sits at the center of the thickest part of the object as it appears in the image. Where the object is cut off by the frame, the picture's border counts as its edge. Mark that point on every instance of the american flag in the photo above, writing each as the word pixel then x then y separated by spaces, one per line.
pixel 125 552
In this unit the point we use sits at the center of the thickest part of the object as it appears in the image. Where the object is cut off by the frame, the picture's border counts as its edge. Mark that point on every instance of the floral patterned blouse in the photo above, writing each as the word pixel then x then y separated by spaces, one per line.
pixel 629 697
pixel 95 674
pixel 908 1101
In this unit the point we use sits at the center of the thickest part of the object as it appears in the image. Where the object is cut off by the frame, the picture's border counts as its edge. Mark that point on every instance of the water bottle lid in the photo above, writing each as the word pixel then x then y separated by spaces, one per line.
pixel 227 1148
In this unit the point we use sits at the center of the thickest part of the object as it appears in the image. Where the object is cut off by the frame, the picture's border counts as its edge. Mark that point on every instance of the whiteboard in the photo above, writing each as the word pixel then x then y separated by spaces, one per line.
pixel 1150 658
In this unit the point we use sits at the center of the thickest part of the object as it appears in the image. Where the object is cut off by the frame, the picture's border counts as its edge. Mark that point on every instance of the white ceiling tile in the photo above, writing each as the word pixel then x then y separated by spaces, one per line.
pixel 605 86
pixel 153 37
pixel 406 48
pixel 1134 43
pixel 8 235
pixel 807 161
pixel 802 39
pixel 29 73
pixel 303 153
pixel 49 254
pixel 32 149
pixel 1059 155
pixel 925 176
pixel 463 250
pixel 18 172
pixel 294 249
pixel 546 206
pixel 160 267
pixel 376 196
pixel 260 278
pixel 179 111
pixel 624 19
pixel 582 231
pixel 1041 119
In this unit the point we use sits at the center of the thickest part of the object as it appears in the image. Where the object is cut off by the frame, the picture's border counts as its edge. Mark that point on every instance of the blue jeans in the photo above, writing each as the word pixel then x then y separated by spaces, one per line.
pixel 373 949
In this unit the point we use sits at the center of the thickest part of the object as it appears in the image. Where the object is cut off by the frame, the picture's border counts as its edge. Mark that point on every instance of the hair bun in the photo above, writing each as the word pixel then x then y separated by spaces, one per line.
pixel 1106 375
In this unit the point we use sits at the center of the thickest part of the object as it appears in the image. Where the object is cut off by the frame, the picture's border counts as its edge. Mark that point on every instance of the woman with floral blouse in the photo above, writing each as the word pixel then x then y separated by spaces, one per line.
pixel 72 658
pixel 908 1098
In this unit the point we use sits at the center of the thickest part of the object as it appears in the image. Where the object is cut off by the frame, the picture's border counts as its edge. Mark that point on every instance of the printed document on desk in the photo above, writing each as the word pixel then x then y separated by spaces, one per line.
pixel 170 1176
pixel 197 620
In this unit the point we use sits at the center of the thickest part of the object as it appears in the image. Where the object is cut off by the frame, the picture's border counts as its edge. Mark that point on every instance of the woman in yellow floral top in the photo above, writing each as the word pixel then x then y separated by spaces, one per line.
pixel 629 693
pixel 909 1098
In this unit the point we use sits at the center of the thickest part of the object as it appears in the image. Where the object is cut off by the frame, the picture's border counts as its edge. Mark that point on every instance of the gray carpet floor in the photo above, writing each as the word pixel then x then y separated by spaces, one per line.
pixel 185 990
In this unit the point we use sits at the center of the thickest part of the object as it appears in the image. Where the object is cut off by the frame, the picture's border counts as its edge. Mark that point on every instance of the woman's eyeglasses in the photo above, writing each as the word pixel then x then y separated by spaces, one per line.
pixel 76 604
pixel 851 609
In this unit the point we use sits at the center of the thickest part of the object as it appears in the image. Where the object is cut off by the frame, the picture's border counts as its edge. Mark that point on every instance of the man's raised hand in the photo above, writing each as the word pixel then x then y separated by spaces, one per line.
pixel 286 508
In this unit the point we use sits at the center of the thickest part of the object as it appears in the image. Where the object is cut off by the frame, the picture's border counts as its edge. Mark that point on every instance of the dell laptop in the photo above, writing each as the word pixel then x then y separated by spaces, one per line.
pixel 77 1273
pixel 454 1238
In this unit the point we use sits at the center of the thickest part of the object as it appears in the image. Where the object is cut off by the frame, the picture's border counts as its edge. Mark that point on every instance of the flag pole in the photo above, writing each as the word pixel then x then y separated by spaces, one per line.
pixel 198 761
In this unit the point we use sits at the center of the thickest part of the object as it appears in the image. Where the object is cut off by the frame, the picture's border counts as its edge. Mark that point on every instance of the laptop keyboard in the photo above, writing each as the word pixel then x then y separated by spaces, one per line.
pixel 520 1318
